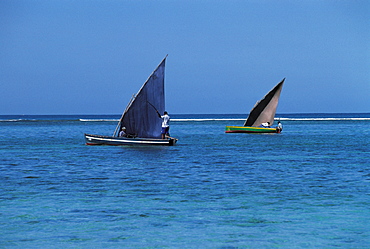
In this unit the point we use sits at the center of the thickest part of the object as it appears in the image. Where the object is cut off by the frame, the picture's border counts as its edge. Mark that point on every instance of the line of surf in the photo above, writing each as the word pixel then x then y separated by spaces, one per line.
pixel 238 119
pixel 322 119
pixel 276 119
pixel 173 119
pixel 98 120
pixel 188 119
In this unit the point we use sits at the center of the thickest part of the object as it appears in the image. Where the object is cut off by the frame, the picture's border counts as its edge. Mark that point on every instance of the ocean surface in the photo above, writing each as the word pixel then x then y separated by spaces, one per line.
pixel 308 187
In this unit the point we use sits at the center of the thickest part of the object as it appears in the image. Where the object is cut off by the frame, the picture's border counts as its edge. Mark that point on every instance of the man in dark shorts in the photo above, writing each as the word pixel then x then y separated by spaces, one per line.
pixel 165 124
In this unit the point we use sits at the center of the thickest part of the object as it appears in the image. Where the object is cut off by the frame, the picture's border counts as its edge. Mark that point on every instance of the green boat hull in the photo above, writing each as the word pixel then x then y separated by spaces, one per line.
pixel 250 129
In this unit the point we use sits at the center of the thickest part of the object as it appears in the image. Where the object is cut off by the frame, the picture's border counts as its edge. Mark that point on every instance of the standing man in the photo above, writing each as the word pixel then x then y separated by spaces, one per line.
pixel 165 124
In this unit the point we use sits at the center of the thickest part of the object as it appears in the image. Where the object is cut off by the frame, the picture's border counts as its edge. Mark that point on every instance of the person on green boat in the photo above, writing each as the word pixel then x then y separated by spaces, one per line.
pixel 265 125
pixel 279 127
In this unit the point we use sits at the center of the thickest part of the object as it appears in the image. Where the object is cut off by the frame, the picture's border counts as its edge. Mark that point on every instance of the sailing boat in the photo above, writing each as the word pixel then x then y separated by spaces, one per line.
pixel 261 117
pixel 141 120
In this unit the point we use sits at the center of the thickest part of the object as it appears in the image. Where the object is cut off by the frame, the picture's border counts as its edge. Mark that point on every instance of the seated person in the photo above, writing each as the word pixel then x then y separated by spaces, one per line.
pixel 123 133
pixel 266 125
pixel 279 127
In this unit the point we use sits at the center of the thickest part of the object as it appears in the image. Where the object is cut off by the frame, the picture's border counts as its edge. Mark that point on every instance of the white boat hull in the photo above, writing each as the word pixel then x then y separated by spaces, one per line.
pixel 116 141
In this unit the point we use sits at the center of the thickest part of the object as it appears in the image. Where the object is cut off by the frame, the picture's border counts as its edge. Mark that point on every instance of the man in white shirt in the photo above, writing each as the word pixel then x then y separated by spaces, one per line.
pixel 165 124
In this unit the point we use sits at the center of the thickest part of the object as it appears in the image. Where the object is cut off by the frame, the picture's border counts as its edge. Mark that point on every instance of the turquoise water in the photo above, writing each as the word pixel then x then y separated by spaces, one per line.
pixel 308 187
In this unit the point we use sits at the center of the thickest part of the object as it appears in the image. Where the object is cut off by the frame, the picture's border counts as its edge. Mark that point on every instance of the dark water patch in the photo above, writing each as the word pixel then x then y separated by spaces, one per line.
pixel 118 239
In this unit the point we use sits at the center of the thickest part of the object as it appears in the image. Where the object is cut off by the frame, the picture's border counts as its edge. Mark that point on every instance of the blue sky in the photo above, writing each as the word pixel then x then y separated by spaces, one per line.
pixel 90 57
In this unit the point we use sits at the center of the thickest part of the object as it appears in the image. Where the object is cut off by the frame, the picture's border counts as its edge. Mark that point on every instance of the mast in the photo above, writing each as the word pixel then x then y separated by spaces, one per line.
pixel 118 127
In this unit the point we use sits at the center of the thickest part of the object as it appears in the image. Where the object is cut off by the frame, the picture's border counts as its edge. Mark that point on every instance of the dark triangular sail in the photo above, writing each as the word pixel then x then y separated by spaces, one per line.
pixel 264 110
pixel 140 117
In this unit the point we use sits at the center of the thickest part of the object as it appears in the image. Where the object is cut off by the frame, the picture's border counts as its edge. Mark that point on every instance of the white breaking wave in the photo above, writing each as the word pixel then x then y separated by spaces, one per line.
pixel 234 119
pixel 321 119
pixel 276 119
pixel 207 119
pixel 194 119
pixel 98 120
pixel 11 120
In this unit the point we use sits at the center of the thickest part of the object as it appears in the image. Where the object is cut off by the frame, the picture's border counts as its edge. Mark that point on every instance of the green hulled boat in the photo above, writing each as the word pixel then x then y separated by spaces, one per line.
pixel 261 118
pixel 249 129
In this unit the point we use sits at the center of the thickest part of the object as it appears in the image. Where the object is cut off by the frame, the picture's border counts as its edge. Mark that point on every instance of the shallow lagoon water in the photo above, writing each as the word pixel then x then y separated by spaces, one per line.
pixel 305 188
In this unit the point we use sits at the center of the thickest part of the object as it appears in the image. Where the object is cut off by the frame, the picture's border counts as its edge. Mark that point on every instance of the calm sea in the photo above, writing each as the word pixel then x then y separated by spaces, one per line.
pixel 308 187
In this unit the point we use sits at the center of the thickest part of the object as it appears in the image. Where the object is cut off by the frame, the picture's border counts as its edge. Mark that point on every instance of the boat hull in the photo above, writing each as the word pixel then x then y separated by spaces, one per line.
pixel 250 129
pixel 117 141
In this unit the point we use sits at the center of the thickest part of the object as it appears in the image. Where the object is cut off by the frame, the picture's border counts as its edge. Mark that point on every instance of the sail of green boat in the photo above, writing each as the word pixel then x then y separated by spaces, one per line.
pixel 261 117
